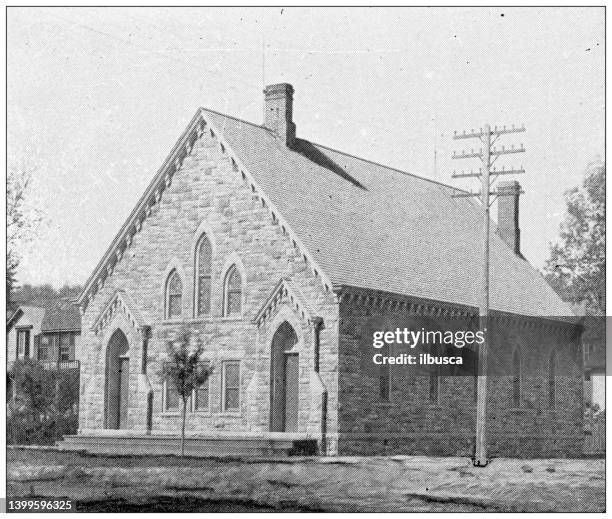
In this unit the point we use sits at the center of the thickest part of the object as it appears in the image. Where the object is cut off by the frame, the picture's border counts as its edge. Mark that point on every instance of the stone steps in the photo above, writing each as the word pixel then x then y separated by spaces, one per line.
pixel 194 446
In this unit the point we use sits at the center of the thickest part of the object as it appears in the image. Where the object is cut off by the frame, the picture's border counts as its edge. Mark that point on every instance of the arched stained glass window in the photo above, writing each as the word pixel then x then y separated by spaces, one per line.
pixel 233 292
pixel 203 276
pixel 174 295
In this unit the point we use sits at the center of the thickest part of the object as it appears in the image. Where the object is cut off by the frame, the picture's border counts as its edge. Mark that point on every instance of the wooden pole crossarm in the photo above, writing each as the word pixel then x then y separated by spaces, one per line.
pixel 466 175
pixel 464 155
pixel 465 195
pixel 472 134
pixel 504 151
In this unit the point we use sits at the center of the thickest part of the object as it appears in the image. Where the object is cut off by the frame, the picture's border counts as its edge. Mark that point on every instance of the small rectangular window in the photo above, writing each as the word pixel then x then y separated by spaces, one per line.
pixel 434 386
pixel 23 343
pixel 171 395
pixel 201 396
pixel 20 343
pixel 384 376
pixel 434 379
pixel 64 347
pixel 43 348
pixel 54 348
pixel 231 385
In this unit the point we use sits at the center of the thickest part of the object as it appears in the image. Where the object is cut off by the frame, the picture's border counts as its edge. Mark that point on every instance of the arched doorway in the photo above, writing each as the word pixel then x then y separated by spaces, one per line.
pixel 284 380
pixel 117 381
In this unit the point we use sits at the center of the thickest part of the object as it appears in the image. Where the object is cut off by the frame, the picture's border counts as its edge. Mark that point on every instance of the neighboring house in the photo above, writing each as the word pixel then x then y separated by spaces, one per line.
pixel 48 331
pixel 595 373
pixel 594 357
pixel 284 256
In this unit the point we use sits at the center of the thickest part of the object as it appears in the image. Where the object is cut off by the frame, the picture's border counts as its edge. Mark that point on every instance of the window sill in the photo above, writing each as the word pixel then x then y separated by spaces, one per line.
pixel 231 318
pixel 206 319
pixel 200 319
pixel 230 414
pixel 171 414
pixel 168 322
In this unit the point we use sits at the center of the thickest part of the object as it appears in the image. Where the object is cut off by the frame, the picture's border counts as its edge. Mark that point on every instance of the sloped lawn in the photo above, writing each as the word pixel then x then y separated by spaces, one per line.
pixel 400 483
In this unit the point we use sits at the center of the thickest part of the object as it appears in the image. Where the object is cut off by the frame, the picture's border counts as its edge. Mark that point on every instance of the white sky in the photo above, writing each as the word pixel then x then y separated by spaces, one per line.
pixel 98 96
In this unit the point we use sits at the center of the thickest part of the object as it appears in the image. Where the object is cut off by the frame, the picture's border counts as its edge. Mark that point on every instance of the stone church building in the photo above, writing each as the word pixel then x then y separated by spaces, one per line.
pixel 283 256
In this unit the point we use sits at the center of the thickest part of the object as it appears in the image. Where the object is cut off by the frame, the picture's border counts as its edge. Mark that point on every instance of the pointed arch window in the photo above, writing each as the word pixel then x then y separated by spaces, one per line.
pixel 203 270
pixel 384 375
pixel 174 295
pixel 434 379
pixel 552 383
pixel 232 300
pixel 516 379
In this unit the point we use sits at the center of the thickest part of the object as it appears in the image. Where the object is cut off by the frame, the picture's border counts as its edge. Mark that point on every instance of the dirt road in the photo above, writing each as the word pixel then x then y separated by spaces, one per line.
pixel 399 483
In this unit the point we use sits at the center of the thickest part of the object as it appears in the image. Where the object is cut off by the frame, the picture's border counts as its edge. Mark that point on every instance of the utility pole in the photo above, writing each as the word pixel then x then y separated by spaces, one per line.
pixel 488 175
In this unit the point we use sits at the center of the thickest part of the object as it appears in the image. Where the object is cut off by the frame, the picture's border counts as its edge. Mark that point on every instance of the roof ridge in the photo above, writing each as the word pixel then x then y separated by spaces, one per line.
pixel 260 126
pixel 340 151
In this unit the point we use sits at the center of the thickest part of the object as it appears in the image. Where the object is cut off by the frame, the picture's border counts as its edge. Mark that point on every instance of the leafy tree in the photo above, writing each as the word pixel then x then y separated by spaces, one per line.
pixel 576 267
pixel 22 219
pixel 185 370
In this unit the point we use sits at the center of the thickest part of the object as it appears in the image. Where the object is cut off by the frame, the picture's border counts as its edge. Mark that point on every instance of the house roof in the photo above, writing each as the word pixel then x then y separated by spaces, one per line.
pixel 60 315
pixel 14 317
pixel 376 227
pixel 362 224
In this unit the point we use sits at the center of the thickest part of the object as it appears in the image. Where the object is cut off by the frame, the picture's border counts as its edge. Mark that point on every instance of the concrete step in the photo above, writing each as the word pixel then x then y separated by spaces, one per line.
pixel 194 446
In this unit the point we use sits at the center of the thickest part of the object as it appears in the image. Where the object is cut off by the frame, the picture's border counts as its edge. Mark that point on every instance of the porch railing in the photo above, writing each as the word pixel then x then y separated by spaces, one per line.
pixel 54 364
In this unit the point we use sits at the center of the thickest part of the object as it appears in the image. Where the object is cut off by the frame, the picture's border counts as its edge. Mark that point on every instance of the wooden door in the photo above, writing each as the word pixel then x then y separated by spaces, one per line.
pixel 291 384
pixel 124 371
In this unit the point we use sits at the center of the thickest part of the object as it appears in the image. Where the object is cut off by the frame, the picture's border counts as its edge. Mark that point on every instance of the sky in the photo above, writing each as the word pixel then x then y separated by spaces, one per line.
pixel 98 96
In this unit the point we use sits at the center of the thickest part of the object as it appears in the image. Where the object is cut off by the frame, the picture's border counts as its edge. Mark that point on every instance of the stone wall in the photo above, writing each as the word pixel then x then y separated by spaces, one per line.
pixel 208 194
pixel 411 422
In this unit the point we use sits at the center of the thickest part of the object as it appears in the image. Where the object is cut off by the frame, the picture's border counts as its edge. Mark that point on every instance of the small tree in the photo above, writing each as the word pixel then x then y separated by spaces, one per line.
pixel 185 370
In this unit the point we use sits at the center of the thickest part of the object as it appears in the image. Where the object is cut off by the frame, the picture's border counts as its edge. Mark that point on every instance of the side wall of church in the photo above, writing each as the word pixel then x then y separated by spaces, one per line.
pixel 421 415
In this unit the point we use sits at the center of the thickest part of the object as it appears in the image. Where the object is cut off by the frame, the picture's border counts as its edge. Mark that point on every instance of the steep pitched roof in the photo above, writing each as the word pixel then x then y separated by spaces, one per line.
pixel 363 224
pixel 376 227
pixel 58 315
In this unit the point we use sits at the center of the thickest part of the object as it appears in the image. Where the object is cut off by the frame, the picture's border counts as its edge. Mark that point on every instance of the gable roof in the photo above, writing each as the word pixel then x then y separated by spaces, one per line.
pixel 61 315
pixel 58 315
pixel 285 290
pixel 360 223
pixel 14 317
pixel 120 301
pixel 376 227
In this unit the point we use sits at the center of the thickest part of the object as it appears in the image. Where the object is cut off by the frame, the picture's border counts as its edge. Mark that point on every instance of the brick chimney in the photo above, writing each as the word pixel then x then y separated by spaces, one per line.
pixel 508 214
pixel 279 111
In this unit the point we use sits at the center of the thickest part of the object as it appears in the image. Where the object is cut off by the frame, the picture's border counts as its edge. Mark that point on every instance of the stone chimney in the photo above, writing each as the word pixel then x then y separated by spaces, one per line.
pixel 279 111
pixel 508 214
